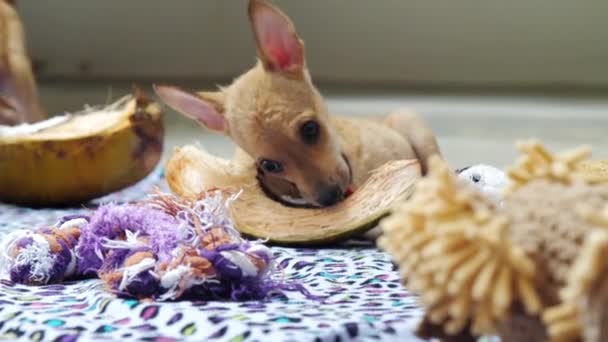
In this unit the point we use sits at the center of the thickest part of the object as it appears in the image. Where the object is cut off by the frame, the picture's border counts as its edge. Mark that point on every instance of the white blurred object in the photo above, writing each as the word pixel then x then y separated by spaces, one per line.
pixel 490 180
pixel 31 128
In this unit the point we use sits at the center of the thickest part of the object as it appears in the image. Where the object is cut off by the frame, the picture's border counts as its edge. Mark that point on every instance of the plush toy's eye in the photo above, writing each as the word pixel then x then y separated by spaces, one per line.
pixel 271 166
pixel 310 132
pixel 476 178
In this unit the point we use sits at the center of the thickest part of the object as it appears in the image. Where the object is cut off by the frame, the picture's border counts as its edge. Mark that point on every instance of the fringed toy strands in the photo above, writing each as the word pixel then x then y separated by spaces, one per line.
pixel 538 163
pixel 586 288
pixel 163 248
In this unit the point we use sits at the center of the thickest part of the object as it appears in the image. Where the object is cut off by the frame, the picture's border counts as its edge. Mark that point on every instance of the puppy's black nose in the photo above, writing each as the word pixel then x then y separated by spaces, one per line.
pixel 331 195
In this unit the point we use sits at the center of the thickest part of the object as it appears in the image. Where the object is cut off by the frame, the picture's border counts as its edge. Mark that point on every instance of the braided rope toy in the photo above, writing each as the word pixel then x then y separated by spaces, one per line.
pixel 162 248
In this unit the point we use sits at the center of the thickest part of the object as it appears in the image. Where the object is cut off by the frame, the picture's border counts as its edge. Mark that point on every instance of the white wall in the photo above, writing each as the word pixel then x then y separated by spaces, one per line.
pixel 404 41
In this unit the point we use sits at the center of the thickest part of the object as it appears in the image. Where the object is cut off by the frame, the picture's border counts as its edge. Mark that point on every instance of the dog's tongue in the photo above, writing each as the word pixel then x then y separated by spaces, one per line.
pixel 349 190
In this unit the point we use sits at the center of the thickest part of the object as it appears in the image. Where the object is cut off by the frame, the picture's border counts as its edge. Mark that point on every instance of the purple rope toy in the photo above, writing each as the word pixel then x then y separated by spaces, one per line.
pixel 163 248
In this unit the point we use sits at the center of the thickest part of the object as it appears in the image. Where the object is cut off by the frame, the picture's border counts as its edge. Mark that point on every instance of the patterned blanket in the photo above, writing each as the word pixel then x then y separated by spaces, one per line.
pixel 367 302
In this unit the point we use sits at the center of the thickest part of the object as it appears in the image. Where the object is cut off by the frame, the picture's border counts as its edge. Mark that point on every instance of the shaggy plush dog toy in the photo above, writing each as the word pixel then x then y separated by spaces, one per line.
pixel 530 267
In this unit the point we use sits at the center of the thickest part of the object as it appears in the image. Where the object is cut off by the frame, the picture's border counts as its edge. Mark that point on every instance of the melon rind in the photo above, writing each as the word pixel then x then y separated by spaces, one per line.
pixel 191 170
pixel 88 156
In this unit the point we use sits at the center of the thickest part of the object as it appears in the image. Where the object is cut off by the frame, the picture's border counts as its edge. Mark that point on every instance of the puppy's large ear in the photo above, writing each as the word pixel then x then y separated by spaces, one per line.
pixel 205 108
pixel 278 44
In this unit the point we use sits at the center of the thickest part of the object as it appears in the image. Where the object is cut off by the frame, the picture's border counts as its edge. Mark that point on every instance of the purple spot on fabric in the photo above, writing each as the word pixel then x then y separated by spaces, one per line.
pixel 219 333
pixel 253 305
pixel 216 319
pixel 122 321
pixel 149 312
pixel 293 327
pixel 67 338
pixel 352 329
pixel 79 306
pixel 301 264
pixel 165 339
pixel 49 293
pixel 145 327
pixel 175 318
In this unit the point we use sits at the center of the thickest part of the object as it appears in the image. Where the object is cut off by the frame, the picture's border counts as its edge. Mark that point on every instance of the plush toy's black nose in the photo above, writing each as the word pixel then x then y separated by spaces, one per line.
pixel 331 195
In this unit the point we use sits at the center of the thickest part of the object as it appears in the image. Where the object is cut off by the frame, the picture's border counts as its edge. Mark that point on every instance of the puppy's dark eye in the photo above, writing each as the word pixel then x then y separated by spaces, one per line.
pixel 310 131
pixel 476 178
pixel 271 166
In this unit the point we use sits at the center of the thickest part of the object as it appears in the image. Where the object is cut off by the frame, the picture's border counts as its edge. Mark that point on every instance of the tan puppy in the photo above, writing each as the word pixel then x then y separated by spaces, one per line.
pixel 281 125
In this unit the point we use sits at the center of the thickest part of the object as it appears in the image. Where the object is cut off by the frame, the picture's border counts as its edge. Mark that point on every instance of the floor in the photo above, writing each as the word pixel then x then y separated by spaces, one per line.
pixel 471 128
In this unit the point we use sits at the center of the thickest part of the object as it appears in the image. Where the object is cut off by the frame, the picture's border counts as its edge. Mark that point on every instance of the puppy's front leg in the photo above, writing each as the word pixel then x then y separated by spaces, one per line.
pixel 373 234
